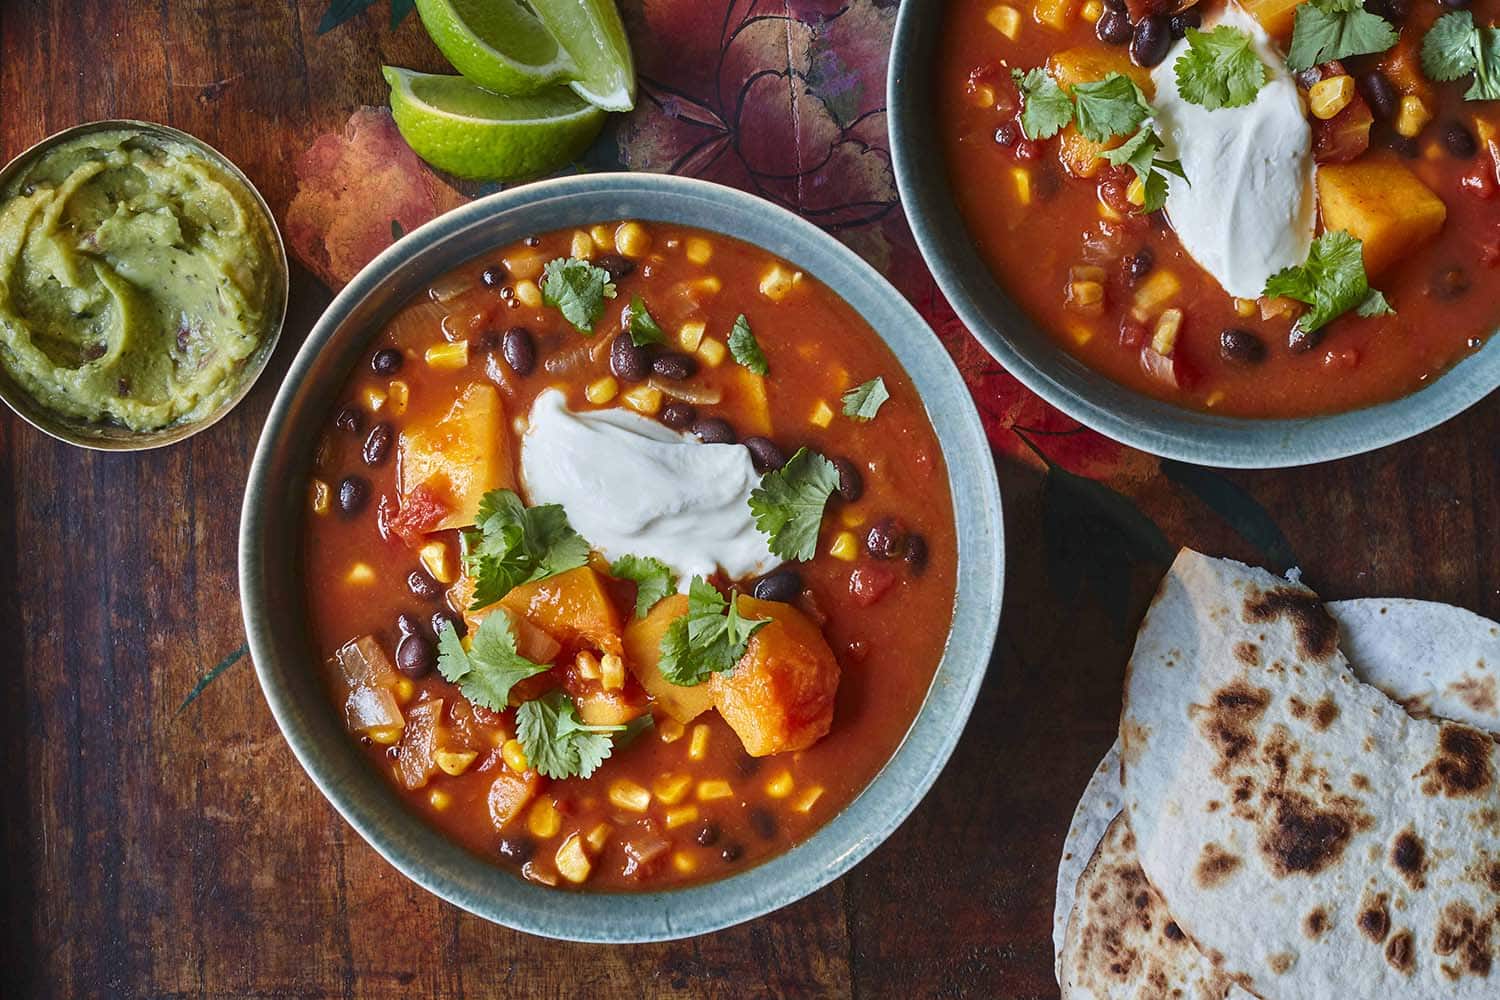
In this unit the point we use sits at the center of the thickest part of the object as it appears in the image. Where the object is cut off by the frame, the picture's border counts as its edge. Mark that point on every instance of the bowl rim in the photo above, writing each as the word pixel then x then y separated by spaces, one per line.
pixel 482 887
pixel 112 439
pixel 1155 426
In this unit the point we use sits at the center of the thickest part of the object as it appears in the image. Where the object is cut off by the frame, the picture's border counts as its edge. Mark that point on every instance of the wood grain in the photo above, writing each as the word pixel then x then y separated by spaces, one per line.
pixel 151 854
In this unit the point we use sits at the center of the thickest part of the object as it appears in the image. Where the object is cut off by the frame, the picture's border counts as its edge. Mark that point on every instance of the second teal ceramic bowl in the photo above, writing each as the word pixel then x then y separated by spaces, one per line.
pixel 1032 356
pixel 271 588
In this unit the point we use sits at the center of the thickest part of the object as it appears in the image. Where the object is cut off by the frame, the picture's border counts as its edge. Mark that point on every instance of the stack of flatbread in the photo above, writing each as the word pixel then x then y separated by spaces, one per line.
pixel 1274 824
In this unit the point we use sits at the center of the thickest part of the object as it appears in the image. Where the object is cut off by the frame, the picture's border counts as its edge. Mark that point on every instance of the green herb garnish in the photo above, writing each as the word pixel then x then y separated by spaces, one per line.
pixel 490 667
pixel 1109 107
pixel 1219 69
pixel 642 327
pixel 1455 47
pixel 653 578
pixel 1326 30
pixel 745 349
pixel 511 544
pixel 709 639
pixel 1045 108
pixel 1139 154
pixel 788 503
pixel 577 289
pixel 1331 282
pixel 864 400
pixel 558 744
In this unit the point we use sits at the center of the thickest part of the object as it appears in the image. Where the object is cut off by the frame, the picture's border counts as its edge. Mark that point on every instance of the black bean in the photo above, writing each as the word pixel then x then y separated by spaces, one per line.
pixel 422 585
pixel 1239 346
pixel 349 419
pixel 1007 134
pixel 378 443
pixel 674 365
pixel 1113 27
pixel 1449 283
pixel 746 764
pixel 1139 264
pixel 1307 77
pixel 1114 5
pixel 1380 94
pixel 764 454
pixel 1407 148
pixel 732 852
pixel 678 415
pixel 415 656
pixel 494 276
pixel 1456 4
pixel 1394 11
pixel 444 620
pixel 1459 140
pixel 629 362
pixel 784 586
pixel 486 342
pixel 1180 23
pixel 714 430
pixel 408 624
pixel 886 538
pixel 1151 40
pixel 617 266
pixel 1300 341
pixel 517 850
pixel 763 823
pixel 851 483
pixel 519 350
pixel 707 835
pixel 386 361
pixel 354 492
pixel 916 553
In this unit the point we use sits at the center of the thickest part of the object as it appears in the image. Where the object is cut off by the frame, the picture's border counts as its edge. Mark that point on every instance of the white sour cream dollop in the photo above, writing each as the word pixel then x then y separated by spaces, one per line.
pixel 1250 208
pixel 634 487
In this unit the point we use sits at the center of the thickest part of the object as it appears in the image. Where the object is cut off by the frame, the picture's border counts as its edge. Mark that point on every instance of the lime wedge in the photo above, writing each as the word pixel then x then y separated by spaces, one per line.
pixel 592 33
pixel 498 44
pixel 472 133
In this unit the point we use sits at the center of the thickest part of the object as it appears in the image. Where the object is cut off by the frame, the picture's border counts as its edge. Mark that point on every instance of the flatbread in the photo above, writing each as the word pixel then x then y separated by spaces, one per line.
pixel 1313 838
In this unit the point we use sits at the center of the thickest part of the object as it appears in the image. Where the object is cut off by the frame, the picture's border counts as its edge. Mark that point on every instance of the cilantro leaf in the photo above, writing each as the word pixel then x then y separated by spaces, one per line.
pixel 709 639
pixel 490 667
pixel 1220 68
pixel 511 544
pixel 745 348
pixel 1108 107
pixel 1336 29
pixel 1045 108
pixel 1486 85
pixel 788 503
pixel 558 743
pixel 1139 154
pixel 653 578
pixel 642 327
pixel 1331 282
pixel 577 289
pixel 864 400
pixel 1448 50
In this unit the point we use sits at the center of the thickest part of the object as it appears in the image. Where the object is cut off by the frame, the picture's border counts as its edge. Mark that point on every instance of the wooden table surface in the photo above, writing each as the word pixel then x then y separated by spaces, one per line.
pixel 152 853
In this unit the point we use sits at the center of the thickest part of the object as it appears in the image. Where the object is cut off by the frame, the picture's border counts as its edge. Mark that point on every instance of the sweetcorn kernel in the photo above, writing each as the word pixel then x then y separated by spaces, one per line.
pixel 572 862
pixel 698 744
pixel 440 799
pixel 822 414
pixel 807 798
pixel 583 245
pixel 684 862
pixel 437 560
pixel 361 573
pixel 780 786
pixel 983 95
pixel 626 794
pixel 601 390
pixel 1413 116
pixel 698 250
pixel 851 518
pixel 528 294
pixel 1214 398
pixel 1091 11
pixel 669 730
pixel 1330 95
pixel 405 690
pixel 374 399
pixel 670 788
pixel 713 789
pixel 1157 290
pixel 706 286
pixel 587 665
pixel 603 237
pixel 1244 308
pixel 598 837
pixel 454 762
pixel 543 819
pixel 321 496
pixel 644 399
pixel 1006 20
pixel 385 735
pixel 1168 325
pixel 681 816
pixel 448 356
pixel 1136 192
pixel 632 240
pixel 777 282
pixel 690 335
pixel 711 351
pixel 397 394
pixel 845 546
pixel 1020 179
pixel 514 756
pixel 611 672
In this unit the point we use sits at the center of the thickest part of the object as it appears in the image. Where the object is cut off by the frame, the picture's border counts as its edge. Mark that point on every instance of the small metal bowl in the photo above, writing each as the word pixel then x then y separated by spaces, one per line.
pixel 109 437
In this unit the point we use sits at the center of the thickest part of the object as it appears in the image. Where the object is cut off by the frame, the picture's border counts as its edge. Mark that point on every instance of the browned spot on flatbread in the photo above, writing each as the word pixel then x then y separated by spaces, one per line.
pixel 1374 918
pixel 1462 765
pixel 1281 962
pixel 1172 931
pixel 1247 653
pixel 1479 693
pixel 1215 865
pixel 1360 782
pixel 1416 706
pixel 1400 952
pixel 1229 722
pixel 1320 715
pixel 1316 631
pixel 1409 855
pixel 1465 937
pixel 1315 924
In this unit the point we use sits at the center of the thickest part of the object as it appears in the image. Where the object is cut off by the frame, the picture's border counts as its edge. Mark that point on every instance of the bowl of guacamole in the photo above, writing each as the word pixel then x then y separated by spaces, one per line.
pixel 143 284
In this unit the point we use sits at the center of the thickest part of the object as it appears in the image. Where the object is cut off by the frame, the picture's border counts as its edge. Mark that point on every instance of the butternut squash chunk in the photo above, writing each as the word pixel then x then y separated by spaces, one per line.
pixel 461 457
pixel 509 794
pixel 643 654
pixel 1277 17
pixel 1087 63
pixel 572 606
pixel 1384 204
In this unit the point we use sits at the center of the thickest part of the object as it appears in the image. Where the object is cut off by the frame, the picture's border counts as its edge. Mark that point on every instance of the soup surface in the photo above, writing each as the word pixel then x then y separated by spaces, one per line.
pixel 714 424
pixel 1232 296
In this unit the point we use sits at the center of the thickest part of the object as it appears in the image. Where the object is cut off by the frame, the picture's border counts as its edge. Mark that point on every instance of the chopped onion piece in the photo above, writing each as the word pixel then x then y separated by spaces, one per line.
pixel 370 708
pixel 365 664
pixel 696 394
pixel 419 743
pixel 449 287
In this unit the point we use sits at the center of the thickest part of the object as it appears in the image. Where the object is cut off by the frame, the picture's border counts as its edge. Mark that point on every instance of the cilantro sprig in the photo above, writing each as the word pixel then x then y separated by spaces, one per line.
pixel 1336 29
pixel 577 289
pixel 490 667
pixel 653 579
pixel 1219 69
pixel 865 400
pixel 709 639
pixel 557 742
pixel 1139 154
pixel 1331 282
pixel 511 544
pixel 641 325
pixel 746 349
pixel 788 504
pixel 1455 47
pixel 1045 107
pixel 1109 107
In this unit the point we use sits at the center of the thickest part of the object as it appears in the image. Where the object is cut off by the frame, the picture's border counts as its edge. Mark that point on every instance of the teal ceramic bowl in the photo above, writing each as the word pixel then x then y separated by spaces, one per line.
pixel 1028 353
pixel 271 586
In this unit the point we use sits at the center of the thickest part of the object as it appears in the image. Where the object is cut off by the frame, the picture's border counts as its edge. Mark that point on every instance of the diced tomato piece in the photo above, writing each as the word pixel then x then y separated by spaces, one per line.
pixel 1480 183
pixel 868 583
pixel 421 511
pixel 1132 333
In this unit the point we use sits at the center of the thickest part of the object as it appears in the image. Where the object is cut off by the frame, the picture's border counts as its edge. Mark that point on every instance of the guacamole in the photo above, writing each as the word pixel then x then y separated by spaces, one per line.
pixel 136 279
